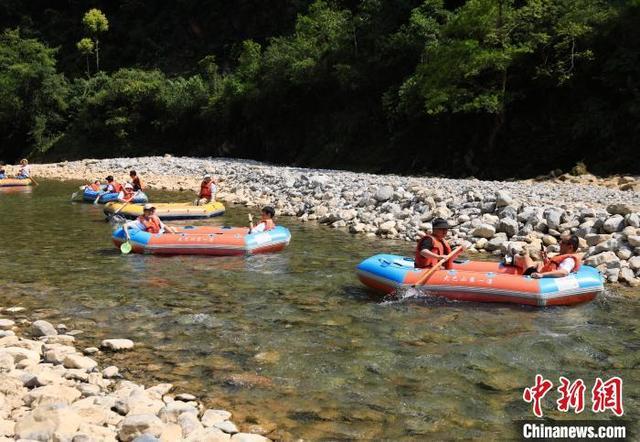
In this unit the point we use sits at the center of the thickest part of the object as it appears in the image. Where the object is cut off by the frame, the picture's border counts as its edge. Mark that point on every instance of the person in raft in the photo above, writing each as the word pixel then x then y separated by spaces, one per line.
pixel 149 222
pixel 112 185
pixel 3 174
pixel 96 186
pixel 433 247
pixel 127 193
pixel 135 180
pixel 25 170
pixel 566 262
pixel 266 221
pixel 208 190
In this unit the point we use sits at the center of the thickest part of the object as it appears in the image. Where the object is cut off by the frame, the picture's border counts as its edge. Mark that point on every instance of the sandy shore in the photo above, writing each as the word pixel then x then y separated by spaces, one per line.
pixel 490 216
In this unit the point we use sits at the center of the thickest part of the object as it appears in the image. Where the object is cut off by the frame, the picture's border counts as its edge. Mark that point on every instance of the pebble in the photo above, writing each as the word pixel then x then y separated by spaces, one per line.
pixel 43 328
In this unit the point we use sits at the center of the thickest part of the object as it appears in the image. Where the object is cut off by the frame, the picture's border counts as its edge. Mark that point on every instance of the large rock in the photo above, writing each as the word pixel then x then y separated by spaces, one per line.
pixel 634 240
pixel 622 209
pixel 46 421
pixel 79 361
pixel 503 199
pixel 208 435
pixel 484 231
pixel 554 218
pixel 611 244
pixel 384 193
pixel 596 238
pixel 189 423
pixel 211 417
pixel 51 394
pixel 248 437
pixel 139 424
pixel 43 328
pixel 601 258
pixel 627 275
pixel 117 344
pixel 6 324
pixel 613 224
pixel 170 412
pixel 634 263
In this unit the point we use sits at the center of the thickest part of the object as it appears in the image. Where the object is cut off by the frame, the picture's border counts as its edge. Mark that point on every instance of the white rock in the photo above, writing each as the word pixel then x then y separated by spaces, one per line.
pixel 43 328
pixel 634 240
pixel 634 263
pixel 627 275
pixel 46 421
pixel 227 427
pixel 189 423
pixel 248 437
pixel 484 231
pixel 79 361
pixel 208 435
pixel 171 411
pixel 117 344
pixel 613 224
pixel 110 372
pixel 51 394
pixel 6 324
pixel 211 417
pixel 601 258
pixel 139 424
pixel 384 193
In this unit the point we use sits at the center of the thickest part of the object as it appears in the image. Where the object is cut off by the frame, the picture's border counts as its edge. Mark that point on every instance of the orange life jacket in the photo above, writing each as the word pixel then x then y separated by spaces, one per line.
pixel 205 190
pixel 115 186
pixel 440 247
pixel 553 264
pixel 152 225
pixel 96 187
pixel 128 194
pixel 137 184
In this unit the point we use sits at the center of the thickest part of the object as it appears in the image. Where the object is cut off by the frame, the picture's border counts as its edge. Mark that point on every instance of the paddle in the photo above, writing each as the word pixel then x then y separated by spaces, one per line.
pixel 111 215
pixel 34 181
pixel 427 275
pixel 98 197
pixel 75 194
pixel 125 247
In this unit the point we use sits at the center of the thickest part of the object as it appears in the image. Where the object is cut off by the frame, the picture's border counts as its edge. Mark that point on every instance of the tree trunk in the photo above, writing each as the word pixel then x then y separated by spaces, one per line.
pixel 97 56
pixel 88 68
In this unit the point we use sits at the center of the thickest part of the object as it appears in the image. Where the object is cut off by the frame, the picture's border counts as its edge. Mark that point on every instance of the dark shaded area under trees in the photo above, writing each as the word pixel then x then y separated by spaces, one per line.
pixel 489 88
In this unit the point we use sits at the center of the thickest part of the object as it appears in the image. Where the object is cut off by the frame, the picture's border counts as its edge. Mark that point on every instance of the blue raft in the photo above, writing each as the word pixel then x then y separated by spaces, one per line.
pixel 90 196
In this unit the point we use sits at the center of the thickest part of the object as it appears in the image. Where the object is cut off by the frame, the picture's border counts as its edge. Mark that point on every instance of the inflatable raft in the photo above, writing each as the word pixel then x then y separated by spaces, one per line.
pixel 90 196
pixel 481 282
pixel 205 240
pixel 169 210
pixel 15 182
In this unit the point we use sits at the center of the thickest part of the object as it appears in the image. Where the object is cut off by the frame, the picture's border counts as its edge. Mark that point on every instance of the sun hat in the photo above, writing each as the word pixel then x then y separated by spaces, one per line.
pixel 206 175
pixel 128 186
pixel 149 207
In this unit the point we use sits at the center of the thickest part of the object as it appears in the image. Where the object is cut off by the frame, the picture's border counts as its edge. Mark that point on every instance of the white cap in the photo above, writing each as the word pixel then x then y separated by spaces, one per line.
pixel 97 180
pixel 128 186
pixel 206 175
pixel 149 207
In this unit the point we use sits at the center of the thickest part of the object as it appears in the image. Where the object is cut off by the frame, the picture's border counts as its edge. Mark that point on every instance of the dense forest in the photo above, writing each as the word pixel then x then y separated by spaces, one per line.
pixel 485 88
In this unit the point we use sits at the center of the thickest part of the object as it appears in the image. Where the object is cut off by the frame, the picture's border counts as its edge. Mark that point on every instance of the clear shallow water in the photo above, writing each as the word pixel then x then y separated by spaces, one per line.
pixel 293 340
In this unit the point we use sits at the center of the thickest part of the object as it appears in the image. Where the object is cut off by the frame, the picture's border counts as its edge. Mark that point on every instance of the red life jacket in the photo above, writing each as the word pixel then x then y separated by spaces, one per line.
pixel 96 187
pixel 553 264
pixel 152 225
pixel 115 186
pixel 205 190
pixel 128 194
pixel 440 247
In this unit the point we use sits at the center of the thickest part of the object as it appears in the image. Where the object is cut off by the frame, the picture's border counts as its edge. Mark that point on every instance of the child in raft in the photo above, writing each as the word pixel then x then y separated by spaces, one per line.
pixel 96 186
pixel 112 185
pixel 25 170
pixel 3 174
pixel 208 190
pixel 266 221
pixel 135 181
pixel 149 222
pixel 127 193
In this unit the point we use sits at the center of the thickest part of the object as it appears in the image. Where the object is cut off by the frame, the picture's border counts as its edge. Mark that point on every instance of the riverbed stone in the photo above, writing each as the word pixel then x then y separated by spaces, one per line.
pixel 6 324
pixel 110 372
pixel 43 328
pixel 51 394
pixel 634 240
pixel 508 226
pixel 189 423
pixel 208 435
pixel 634 263
pixel 248 437
pixel 117 344
pixel 139 424
pixel 171 411
pixel 227 426
pixel 383 193
pixel 613 224
pixel 48 422
pixel 484 231
pixel 627 275
pixel 211 417
pixel 602 258
pixel 79 361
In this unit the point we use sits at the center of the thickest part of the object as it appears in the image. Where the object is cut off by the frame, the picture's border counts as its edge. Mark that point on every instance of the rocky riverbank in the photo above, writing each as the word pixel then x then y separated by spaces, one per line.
pixel 51 391
pixel 490 216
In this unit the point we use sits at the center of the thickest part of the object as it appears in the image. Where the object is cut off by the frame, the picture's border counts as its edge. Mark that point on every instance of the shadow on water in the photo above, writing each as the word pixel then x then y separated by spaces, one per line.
pixel 292 340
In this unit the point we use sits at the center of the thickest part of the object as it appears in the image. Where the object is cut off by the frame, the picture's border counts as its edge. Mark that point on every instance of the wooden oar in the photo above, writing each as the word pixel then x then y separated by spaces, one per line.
pixel 75 194
pixel 425 278
pixel 33 181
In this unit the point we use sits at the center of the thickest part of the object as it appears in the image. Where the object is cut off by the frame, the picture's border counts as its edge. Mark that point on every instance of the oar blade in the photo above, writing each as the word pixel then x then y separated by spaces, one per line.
pixel 126 248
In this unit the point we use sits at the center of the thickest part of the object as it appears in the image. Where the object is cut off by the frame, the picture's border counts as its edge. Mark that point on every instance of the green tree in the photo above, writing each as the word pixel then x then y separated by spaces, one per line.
pixel 86 47
pixel 95 22
pixel 33 95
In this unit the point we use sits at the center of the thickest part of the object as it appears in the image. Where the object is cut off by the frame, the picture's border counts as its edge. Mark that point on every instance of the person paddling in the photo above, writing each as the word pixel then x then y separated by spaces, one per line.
pixel 566 262
pixel 431 248
pixel 135 181
pixel 112 185
pixel 127 193
pixel 266 221
pixel 208 190
pixel 25 170
pixel 149 222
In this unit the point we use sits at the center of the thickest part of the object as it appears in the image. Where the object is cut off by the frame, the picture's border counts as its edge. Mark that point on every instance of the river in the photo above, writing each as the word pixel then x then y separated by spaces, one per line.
pixel 293 341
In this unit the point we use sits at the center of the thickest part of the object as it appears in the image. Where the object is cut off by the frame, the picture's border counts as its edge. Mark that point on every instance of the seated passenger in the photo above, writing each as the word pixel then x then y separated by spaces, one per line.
pixel 3 174
pixel 432 248
pixel 126 194
pixel 149 222
pixel 266 221
pixel 135 181
pixel 25 170
pixel 566 262
pixel 208 189
pixel 95 186
pixel 112 185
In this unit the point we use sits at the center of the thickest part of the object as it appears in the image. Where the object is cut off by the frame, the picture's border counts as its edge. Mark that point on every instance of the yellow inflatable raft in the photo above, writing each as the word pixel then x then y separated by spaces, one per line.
pixel 168 211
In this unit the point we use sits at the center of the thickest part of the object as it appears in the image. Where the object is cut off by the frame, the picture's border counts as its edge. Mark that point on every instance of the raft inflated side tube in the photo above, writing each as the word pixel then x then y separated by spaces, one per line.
pixel 169 211
pixel 15 182
pixel 90 195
